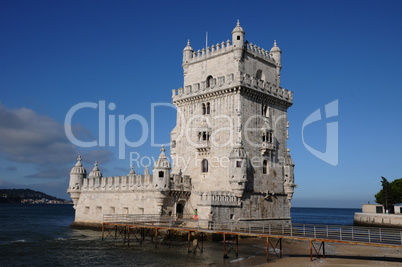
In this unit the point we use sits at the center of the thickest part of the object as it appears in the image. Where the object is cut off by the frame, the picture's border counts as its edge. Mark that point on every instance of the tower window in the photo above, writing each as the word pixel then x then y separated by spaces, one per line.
pixel 208 108
pixel 203 136
pixel 260 75
pixel 161 174
pixel 203 109
pixel 264 110
pixel 209 81
pixel 204 165
pixel 238 164
pixel 238 37
pixel 267 137
pixel 264 166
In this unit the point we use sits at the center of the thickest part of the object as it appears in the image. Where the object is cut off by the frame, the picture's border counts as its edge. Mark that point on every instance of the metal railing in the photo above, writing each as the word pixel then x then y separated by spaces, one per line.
pixel 370 235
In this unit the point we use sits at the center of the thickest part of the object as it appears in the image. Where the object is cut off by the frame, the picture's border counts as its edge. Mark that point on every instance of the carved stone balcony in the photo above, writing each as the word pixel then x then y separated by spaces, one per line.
pixel 203 146
pixel 267 146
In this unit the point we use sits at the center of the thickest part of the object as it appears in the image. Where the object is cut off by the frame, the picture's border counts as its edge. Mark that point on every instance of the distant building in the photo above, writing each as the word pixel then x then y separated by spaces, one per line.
pixel 229 146
pixel 398 208
pixel 376 215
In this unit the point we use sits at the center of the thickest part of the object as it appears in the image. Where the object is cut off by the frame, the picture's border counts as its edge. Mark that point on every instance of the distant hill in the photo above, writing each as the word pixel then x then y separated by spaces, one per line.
pixel 17 195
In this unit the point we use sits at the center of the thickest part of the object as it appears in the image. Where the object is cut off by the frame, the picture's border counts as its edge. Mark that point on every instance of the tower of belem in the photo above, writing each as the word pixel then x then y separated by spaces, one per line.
pixel 228 148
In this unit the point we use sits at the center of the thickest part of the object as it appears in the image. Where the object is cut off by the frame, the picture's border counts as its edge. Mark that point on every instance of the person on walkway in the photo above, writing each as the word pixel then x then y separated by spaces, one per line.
pixel 210 220
pixel 195 214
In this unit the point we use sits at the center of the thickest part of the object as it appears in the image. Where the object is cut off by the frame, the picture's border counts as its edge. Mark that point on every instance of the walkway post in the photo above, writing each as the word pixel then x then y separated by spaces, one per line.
pixel 188 241
pixel 224 245
pixel 323 249
pixel 103 230
pixel 128 236
pixel 156 237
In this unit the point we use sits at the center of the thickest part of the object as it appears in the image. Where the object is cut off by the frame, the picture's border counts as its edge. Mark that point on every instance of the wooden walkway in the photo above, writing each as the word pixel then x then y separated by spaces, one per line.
pixel 135 228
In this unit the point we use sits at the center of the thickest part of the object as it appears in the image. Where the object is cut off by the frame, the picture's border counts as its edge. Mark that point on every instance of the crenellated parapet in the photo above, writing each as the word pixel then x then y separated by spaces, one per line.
pixel 118 183
pixel 258 52
pixel 207 53
pixel 222 83
pixel 218 198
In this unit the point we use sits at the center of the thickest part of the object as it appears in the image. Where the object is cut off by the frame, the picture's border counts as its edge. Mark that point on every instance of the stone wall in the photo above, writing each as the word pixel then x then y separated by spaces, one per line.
pixel 379 220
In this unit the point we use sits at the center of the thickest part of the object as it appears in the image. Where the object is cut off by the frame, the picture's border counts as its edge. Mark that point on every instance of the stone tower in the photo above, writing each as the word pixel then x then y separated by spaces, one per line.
pixel 231 131
pixel 77 174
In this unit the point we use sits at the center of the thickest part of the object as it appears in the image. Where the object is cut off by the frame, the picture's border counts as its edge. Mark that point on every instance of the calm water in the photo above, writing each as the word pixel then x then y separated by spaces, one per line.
pixel 39 235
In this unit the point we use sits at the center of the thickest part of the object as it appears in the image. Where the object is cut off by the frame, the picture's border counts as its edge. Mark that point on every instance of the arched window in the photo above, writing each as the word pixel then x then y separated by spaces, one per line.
pixel 203 109
pixel 208 108
pixel 209 81
pixel 264 166
pixel 161 174
pixel 204 167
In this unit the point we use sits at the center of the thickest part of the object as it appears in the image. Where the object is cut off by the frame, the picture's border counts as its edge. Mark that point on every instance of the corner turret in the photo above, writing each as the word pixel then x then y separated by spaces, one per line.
pixel 289 184
pixel 187 53
pixel 77 174
pixel 132 172
pixel 238 41
pixel 95 173
pixel 275 53
pixel 161 171
pixel 238 170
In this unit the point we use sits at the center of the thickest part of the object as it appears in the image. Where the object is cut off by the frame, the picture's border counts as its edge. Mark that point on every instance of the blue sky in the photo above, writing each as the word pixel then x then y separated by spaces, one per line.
pixel 56 54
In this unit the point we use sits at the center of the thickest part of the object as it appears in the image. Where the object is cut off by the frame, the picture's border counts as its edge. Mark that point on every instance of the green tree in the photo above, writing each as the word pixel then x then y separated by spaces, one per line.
pixel 390 193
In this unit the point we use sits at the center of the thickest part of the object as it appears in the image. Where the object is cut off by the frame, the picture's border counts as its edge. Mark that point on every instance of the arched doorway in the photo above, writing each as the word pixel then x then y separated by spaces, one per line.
pixel 179 210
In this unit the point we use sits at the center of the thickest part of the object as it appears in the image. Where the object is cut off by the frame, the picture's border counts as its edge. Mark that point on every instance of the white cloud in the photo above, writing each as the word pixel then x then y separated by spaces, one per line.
pixel 28 137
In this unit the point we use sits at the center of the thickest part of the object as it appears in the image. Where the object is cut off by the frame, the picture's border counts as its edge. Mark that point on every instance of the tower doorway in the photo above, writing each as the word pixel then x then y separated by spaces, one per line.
pixel 179 210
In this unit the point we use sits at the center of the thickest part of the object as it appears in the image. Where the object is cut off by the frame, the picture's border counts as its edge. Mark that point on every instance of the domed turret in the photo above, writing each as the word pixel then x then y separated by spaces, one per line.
pixel 78 168
pixel 238 35
pixel 187 53
pixel 276 54
pixel 238 169
pixel 161 171
pixel 289 185
pixel 95 172
pixel 77 174
pixel 238 41
pixel 132 172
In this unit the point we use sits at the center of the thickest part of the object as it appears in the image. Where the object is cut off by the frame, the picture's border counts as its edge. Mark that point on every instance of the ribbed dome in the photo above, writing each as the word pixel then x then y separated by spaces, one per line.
pixel 238 152
pixel 78 168
pixel 275 48
pixel 132 172
pixel 188 47
pixel 238 28
pixel 162 162
pixel 95 171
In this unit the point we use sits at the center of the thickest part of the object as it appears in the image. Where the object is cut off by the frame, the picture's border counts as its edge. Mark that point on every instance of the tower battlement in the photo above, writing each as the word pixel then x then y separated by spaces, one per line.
pixel 229 81
pixel 226 47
